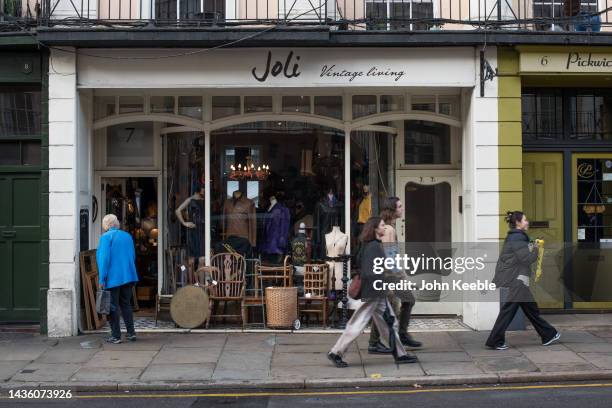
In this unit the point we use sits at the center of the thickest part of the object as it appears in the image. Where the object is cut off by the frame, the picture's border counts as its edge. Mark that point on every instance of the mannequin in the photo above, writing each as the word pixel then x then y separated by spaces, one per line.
pixel 329 211
pixel 275 231
pixel 239 218
pixel 195 226
pixel 335 245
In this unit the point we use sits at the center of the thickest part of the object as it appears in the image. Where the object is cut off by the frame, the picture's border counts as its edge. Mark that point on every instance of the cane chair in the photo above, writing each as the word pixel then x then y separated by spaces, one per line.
pixel 227 274
pixel 281 275
pixel 314 300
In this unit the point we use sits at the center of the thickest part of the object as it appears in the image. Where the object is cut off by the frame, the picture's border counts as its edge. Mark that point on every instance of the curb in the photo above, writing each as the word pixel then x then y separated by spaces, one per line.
pixel 439 380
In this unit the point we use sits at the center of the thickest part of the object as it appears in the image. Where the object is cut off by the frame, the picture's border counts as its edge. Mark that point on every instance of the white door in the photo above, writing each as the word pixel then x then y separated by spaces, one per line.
pixel 431 214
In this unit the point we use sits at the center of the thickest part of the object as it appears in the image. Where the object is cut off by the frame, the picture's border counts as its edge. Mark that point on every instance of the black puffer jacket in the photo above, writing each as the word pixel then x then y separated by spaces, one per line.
pixel 515 258
pixel 370 251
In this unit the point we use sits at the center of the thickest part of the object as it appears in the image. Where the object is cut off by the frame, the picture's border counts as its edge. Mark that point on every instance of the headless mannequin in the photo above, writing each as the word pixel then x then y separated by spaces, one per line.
pixel 195 231
pixel 199 195
pixel 335 245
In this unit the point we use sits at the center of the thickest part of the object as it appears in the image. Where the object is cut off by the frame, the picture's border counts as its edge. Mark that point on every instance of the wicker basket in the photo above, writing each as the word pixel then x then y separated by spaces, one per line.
pixel 281 306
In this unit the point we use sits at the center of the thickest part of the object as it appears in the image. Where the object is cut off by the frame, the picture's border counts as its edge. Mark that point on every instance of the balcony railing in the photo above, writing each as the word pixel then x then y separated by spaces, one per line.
pixel 386 15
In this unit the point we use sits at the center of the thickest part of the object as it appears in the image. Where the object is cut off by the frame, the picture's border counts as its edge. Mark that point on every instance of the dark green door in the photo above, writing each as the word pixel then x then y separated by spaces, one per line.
pixel 20 247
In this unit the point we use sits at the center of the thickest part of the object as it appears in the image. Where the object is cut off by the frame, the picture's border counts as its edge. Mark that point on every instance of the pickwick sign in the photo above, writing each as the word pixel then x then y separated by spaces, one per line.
pixel 568 62
pixel 276 67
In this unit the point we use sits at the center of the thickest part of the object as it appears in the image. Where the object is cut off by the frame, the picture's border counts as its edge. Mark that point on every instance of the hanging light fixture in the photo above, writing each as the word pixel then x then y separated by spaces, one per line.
pixel 249 171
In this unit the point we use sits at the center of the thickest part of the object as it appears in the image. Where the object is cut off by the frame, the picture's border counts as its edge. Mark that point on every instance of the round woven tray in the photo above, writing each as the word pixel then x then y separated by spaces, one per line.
pixel 281 307
pixel 189 307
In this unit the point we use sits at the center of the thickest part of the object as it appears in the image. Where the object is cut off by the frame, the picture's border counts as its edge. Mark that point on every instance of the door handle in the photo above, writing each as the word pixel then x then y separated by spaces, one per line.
pixel 9 234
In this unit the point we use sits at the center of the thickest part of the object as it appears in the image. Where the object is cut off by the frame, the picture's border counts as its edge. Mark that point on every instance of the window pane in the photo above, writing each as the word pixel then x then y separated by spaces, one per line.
pixel 254 104
pixel 328 106
pixel 296 104
pixel 426 143
pixel 131 104
pixel 30 153
pixel 190 106
pixel 9 153
pixel 224 106
pixel 423 103
pixel 391 103
pixel 104 106
pixel 20 111
pixel 364 105
pixel 162 104
pixel 448 105
pixel 130 145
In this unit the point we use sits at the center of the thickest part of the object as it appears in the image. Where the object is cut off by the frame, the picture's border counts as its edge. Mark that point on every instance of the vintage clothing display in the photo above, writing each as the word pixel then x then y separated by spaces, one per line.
pixel 276 230
pixel 239 219
pixel 329 212
pixel 335 246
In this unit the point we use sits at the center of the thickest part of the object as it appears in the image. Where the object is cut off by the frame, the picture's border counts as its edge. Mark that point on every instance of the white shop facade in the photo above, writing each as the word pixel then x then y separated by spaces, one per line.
pixel 174 141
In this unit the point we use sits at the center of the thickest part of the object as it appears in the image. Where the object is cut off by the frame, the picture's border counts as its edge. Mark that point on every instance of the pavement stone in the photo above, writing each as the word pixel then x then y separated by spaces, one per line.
pixel 510 364
pixel 548 357
pixel 444 368
pixel 196 340
pixel 65 355
pixel 324 339
pixel 186 355
pixel 20 351
pixel 319 371
pixel 46 372
pixel 606 334
pixel 557 368
pixel 178 372
pixel 389 369
pixel 98 374
pixel 600 360
pixel 240 374
pixel 293 359
pixel 9 368
pixel 302 348
pixel 245 360
pixel 450 356
pixel 590 347
pixel 109 359
pixel 470 337
pixel 579 336
pixel 480 350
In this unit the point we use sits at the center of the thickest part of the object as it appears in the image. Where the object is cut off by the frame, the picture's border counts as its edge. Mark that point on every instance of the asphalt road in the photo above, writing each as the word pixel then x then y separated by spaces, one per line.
pixel 591 395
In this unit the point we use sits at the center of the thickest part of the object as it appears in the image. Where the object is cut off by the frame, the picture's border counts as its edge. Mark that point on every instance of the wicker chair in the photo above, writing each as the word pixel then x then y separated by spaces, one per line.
pixel 228 270
pixel 315 284
pixel 280 275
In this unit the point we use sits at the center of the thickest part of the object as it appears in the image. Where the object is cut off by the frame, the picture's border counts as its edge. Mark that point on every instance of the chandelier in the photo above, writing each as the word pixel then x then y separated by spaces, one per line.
pixel 248 171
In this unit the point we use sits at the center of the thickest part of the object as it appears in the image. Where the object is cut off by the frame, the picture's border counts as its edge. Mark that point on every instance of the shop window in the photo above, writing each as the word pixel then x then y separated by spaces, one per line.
pixel 330 106
pixel 426 143
pixel 162 104
pixel 224 106
pixel 267 178
pixel 20 153
pixel 190 106
pixel 253 104
pixel 423 103
pixel 20 111
pixel 391 103
pixel 131 104
pixel 364 105
pixel 590 116
pixel 130 145
pixel 296 104
pixel 104 106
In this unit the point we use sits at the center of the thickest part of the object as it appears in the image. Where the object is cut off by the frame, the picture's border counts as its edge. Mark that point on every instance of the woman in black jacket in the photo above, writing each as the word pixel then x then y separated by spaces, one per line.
pixel 375 301
pixel 513 271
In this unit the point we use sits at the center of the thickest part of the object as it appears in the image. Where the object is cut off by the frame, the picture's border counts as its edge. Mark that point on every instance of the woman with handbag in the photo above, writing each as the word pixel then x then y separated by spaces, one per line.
pixel 376 306
pixel 117 274
pixel 513 271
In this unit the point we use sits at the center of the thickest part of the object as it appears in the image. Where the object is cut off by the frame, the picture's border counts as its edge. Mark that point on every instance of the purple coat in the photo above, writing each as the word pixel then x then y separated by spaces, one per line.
pixel 276 230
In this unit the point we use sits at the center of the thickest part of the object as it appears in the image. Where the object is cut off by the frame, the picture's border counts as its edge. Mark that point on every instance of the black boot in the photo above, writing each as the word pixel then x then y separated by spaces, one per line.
pixel 408 341
pixel 379 348
pixel 336 360
pixel 407 359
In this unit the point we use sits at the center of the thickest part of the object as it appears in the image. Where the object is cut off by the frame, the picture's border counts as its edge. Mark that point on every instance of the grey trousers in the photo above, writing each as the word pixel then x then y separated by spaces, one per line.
pixel 371 309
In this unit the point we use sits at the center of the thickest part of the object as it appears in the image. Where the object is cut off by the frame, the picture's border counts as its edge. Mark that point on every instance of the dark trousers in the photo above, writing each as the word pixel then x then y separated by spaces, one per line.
pixel 121 304
pixel 519 296
pixel 403 313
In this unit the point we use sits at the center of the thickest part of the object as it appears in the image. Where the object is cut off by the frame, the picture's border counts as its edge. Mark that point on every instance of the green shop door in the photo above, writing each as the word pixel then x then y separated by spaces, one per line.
pixel 20 247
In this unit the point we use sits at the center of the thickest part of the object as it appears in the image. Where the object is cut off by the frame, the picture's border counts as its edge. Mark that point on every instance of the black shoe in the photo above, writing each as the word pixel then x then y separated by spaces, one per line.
pixel 407 359
pixel 113 340
pixel 337 360
pixel 379 348
pixel 408 341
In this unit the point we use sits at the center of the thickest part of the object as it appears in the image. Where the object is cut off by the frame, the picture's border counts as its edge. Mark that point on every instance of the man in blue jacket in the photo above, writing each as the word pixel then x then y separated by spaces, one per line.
pixel 117 273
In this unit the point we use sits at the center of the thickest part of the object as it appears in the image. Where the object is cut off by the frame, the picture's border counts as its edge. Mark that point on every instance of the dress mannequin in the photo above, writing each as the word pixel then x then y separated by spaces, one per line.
pixel 335 245
pixel 329 211
pixel 195 226
pixel 239 218
pixel 275 231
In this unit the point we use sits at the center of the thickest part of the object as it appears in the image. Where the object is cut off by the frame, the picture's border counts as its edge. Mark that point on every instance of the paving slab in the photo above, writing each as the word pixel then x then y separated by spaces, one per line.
pixel 18 351
pixel 590 347
pixel 66 355
pixel 46 372
pixel 558 357
pixel 579 337
pixel 606 334
pixel 240 374
pixel 141 344
pixel 293 359
pixel 444 368
pixel 450 356
pixel 197 340
pixel 510 364
pixel 116 374
pixel 302 348
pixel 539 347
pixel 324 339
pixel 389 369
pixel 557 368
pixel 470 337
pixel 319 371
pixel 480 350
pixel 178 372
pixel 246 360
pixel 599 360
pixel 186 355
pixel 9 368
pixel 134 359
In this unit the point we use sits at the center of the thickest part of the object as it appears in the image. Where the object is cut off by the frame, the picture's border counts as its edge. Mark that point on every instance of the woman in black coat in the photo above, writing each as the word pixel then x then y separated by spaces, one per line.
pixel 375 301
pixel 513 271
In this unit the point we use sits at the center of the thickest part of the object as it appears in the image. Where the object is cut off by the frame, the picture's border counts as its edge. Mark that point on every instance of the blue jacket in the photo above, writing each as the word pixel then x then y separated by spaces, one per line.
pixel 116 256
pixel 276 230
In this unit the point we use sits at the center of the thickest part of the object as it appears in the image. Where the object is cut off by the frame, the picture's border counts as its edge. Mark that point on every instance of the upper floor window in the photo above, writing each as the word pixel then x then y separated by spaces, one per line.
pixel 190 9
pixel 396 15
pixel 20 110
pixel 559 9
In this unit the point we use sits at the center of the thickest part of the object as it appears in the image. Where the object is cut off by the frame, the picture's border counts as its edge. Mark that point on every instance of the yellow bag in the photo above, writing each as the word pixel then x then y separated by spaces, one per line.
pixel 540 244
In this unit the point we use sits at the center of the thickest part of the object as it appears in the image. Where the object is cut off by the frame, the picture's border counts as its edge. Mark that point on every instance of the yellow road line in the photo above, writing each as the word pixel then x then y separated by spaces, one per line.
pixel 344 393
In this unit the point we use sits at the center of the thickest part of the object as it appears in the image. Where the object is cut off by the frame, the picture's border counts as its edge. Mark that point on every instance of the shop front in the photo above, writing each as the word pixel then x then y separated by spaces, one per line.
pixel 277 155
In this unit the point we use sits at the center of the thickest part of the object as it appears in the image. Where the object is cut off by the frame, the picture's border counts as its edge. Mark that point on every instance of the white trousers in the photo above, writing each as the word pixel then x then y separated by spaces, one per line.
pixel 371 309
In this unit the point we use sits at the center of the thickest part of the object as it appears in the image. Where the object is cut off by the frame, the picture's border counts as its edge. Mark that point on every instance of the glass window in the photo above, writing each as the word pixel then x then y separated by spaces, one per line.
pixel 30 153
pixel 299 104
pixel 17 153
pixel 131 104
pixel 448 105
pixel 104 106
pixel 162 104
pixel 9 153
pixel 224 106
pixel 190 106
pixel 364 105
pixel 391 103
pixel 426 143
pixel 423 103
pixel 385 15
pixel 542 114
pixel 20 111
pixel 130 145
pixel 330 106
pixel 254 104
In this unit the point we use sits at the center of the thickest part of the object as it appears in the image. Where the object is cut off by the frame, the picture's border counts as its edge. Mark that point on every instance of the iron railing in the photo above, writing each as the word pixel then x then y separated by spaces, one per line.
pixel 387 15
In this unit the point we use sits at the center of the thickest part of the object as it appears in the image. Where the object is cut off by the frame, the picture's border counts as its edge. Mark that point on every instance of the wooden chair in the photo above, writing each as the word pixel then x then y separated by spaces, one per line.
pixel 315 284
pixel 282 275
pixel 162 304
pixel 227 270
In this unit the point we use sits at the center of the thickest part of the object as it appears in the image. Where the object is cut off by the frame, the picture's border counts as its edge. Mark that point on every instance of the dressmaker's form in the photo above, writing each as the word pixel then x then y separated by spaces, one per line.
pixel 335 245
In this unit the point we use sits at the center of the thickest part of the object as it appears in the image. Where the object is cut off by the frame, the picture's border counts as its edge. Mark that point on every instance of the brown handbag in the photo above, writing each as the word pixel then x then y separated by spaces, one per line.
pixel 354 290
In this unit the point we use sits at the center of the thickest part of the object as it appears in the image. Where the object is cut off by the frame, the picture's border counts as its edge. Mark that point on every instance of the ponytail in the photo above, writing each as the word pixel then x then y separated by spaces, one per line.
pixel 512 217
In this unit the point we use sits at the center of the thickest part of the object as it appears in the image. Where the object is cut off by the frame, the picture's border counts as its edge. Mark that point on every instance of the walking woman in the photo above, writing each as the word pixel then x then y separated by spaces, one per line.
pixel 375 302
pixel 513 271
pixel 391 210
pixel 117 273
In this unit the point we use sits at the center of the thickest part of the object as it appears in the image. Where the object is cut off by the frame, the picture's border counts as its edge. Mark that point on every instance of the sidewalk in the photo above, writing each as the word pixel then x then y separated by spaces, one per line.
pixel 268 360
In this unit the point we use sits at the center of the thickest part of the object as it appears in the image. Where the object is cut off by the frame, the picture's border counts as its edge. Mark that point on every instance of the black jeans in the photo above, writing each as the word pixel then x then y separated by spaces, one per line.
pixel 121 303
pixel 519 296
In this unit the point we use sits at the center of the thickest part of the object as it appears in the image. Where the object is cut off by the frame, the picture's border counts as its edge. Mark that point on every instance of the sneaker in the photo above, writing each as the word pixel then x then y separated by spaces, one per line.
pixel 502 347
pixel 113 340
pixel 554 339
pixel 379 348
pixel 131 337
pixel 336 360
pixel 407 359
